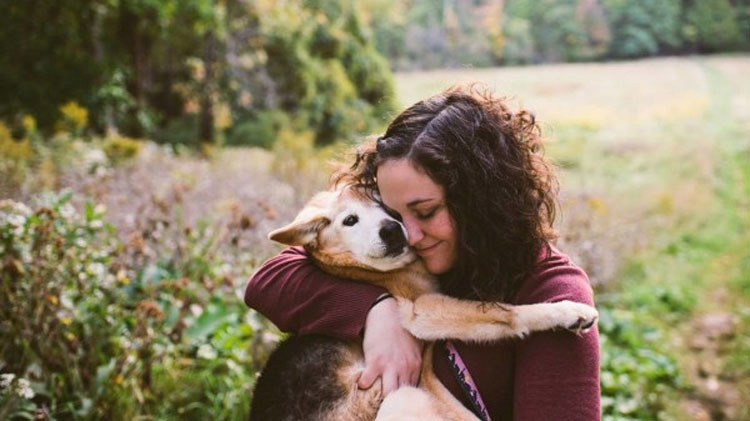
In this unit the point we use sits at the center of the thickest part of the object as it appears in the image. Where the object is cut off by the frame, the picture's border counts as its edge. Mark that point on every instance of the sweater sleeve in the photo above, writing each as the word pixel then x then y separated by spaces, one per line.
pixel 298 297
pixel 557 372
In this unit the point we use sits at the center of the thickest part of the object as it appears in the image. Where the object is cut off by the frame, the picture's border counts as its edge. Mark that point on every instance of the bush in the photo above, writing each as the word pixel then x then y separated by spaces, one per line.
pixel 260 131
pixel 642 27
pixel 711 26
pixel 105 329
pixel 120 148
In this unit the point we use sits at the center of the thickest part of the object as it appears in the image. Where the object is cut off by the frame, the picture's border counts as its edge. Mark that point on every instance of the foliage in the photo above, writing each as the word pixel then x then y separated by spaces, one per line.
pixel 431 34
pixel 643 28
pixel 183 71
pixel 712 26
pixel 121 148
pixel 260 131
pixel 101 328
pixel 637 374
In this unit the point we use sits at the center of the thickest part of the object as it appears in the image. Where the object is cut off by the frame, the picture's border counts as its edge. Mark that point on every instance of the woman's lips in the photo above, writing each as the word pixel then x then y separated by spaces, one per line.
pixel 428 250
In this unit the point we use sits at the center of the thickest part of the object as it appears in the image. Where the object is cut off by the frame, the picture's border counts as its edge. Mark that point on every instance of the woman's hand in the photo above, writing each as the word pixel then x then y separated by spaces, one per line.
pixel 391 352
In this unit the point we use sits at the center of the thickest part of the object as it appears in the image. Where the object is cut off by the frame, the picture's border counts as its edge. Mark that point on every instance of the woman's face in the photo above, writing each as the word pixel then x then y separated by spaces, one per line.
pixel 411 193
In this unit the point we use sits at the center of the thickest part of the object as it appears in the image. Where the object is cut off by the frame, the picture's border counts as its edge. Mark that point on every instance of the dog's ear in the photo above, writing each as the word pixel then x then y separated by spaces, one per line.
pixel 303 231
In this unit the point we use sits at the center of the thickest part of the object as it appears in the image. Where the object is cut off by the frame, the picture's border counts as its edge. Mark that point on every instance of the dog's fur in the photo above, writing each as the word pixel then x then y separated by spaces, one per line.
pixel 315 378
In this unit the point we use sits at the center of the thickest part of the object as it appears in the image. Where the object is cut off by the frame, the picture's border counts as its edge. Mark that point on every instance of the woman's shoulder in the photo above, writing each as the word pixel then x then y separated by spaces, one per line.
pixel 555 278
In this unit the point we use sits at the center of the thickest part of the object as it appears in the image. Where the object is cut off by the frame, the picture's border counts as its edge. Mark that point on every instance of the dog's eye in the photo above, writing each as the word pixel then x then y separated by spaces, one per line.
pixel 351 220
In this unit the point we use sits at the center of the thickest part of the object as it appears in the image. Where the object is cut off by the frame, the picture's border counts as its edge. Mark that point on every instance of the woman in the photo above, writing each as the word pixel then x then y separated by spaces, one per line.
pixel 465 176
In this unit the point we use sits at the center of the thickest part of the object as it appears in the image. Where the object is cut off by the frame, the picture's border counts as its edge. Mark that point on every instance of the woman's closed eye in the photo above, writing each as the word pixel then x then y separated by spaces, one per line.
pixel 428 214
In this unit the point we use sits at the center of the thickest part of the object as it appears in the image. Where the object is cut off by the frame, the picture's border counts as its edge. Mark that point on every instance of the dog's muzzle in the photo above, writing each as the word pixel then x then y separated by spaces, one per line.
pixel 393 238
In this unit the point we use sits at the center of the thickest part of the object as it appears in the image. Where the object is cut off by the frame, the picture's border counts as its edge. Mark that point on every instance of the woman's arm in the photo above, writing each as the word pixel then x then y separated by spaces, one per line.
pixel 298 297
pixel 557 377
pixel 557 372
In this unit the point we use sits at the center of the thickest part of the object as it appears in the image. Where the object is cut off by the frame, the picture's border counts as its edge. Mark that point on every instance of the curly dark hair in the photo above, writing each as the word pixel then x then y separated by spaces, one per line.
pixel 498 187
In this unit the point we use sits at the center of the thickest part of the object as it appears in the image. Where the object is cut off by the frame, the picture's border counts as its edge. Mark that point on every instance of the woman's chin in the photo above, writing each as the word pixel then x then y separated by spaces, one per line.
pixel 435 265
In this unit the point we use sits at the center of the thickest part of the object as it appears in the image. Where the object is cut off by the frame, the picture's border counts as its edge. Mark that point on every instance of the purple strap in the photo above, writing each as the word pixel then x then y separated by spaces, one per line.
pixel 467 383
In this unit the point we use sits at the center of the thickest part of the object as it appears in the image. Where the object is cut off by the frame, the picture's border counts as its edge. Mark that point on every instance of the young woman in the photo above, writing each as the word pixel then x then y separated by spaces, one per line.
pixel 466 177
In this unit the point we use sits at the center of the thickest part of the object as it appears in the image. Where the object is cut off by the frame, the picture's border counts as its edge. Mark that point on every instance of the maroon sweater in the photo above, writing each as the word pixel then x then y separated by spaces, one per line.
pixel 546 376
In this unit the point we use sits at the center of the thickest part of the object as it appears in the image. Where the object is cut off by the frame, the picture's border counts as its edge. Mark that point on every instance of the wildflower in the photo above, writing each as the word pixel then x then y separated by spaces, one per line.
pixel 118 379
pixel 29 123
pixel 66 321
pixel 97 270
pixel 53 299
pixel 16 220
pixel 196 309
pixel 270 338
pixel 93 158
pixel 67 211
pixel 66 301
pixel 206 352
pixel 234 366
pixel 122 277
pixel 6 379
pixel 75 113
pixel 24 389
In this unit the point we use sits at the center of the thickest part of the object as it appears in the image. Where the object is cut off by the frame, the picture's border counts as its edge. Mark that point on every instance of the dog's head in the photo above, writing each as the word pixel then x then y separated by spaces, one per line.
pixel 347 228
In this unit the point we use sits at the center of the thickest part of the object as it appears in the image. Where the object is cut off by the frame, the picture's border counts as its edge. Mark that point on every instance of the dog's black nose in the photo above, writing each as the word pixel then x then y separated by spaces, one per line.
pixel 392 236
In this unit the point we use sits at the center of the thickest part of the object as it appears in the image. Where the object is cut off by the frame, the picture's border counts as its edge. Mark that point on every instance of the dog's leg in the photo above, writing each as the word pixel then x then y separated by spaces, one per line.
pixel 436 316
pixel 443 400
pixel 409 404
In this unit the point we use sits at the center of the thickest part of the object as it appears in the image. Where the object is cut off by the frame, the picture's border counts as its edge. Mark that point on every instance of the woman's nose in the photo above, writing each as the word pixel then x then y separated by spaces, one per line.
pixel 413 231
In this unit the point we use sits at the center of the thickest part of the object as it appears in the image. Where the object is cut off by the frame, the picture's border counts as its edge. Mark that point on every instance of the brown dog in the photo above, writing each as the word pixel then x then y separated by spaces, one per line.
pixel 350 236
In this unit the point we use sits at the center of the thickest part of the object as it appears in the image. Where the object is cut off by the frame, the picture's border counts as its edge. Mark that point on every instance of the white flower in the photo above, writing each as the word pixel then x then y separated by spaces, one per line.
pixel 16 220
pixel 97 269
pixel 270 337
pixel 96 224
pixel 196 310
pixel 65 301
pixel 206 352
pixel 93 158
pixel 234 366
pixel 6 379
pixel 67 211
pixel 24 389
pixel 80 242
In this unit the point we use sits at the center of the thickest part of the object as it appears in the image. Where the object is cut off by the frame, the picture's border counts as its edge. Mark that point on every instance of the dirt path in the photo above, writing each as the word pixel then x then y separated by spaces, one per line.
pixel 714 393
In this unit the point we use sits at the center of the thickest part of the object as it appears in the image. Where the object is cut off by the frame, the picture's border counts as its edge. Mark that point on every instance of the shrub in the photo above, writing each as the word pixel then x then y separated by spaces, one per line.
pixel 260 131
pixel 711 26
pixel 106 329
pixel 120 148
pixel 642 27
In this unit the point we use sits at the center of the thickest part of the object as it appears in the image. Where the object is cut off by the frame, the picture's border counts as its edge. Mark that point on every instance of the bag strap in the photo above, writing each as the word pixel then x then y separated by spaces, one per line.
pixel 461 372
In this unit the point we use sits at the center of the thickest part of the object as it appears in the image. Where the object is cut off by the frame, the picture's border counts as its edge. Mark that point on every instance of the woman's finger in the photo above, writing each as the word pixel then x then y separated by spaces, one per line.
pixel 390 382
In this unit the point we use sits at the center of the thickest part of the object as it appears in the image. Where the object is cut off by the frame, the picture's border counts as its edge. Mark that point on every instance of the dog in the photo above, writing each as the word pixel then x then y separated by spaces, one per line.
pixel 315 378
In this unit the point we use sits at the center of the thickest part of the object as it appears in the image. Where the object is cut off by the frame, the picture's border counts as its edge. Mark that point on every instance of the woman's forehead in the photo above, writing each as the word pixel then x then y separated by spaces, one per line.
pixel 401 183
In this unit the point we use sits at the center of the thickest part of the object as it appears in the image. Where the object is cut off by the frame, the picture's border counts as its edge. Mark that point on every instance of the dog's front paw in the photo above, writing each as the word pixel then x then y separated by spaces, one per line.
pixel 580 317
pixel 569 315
